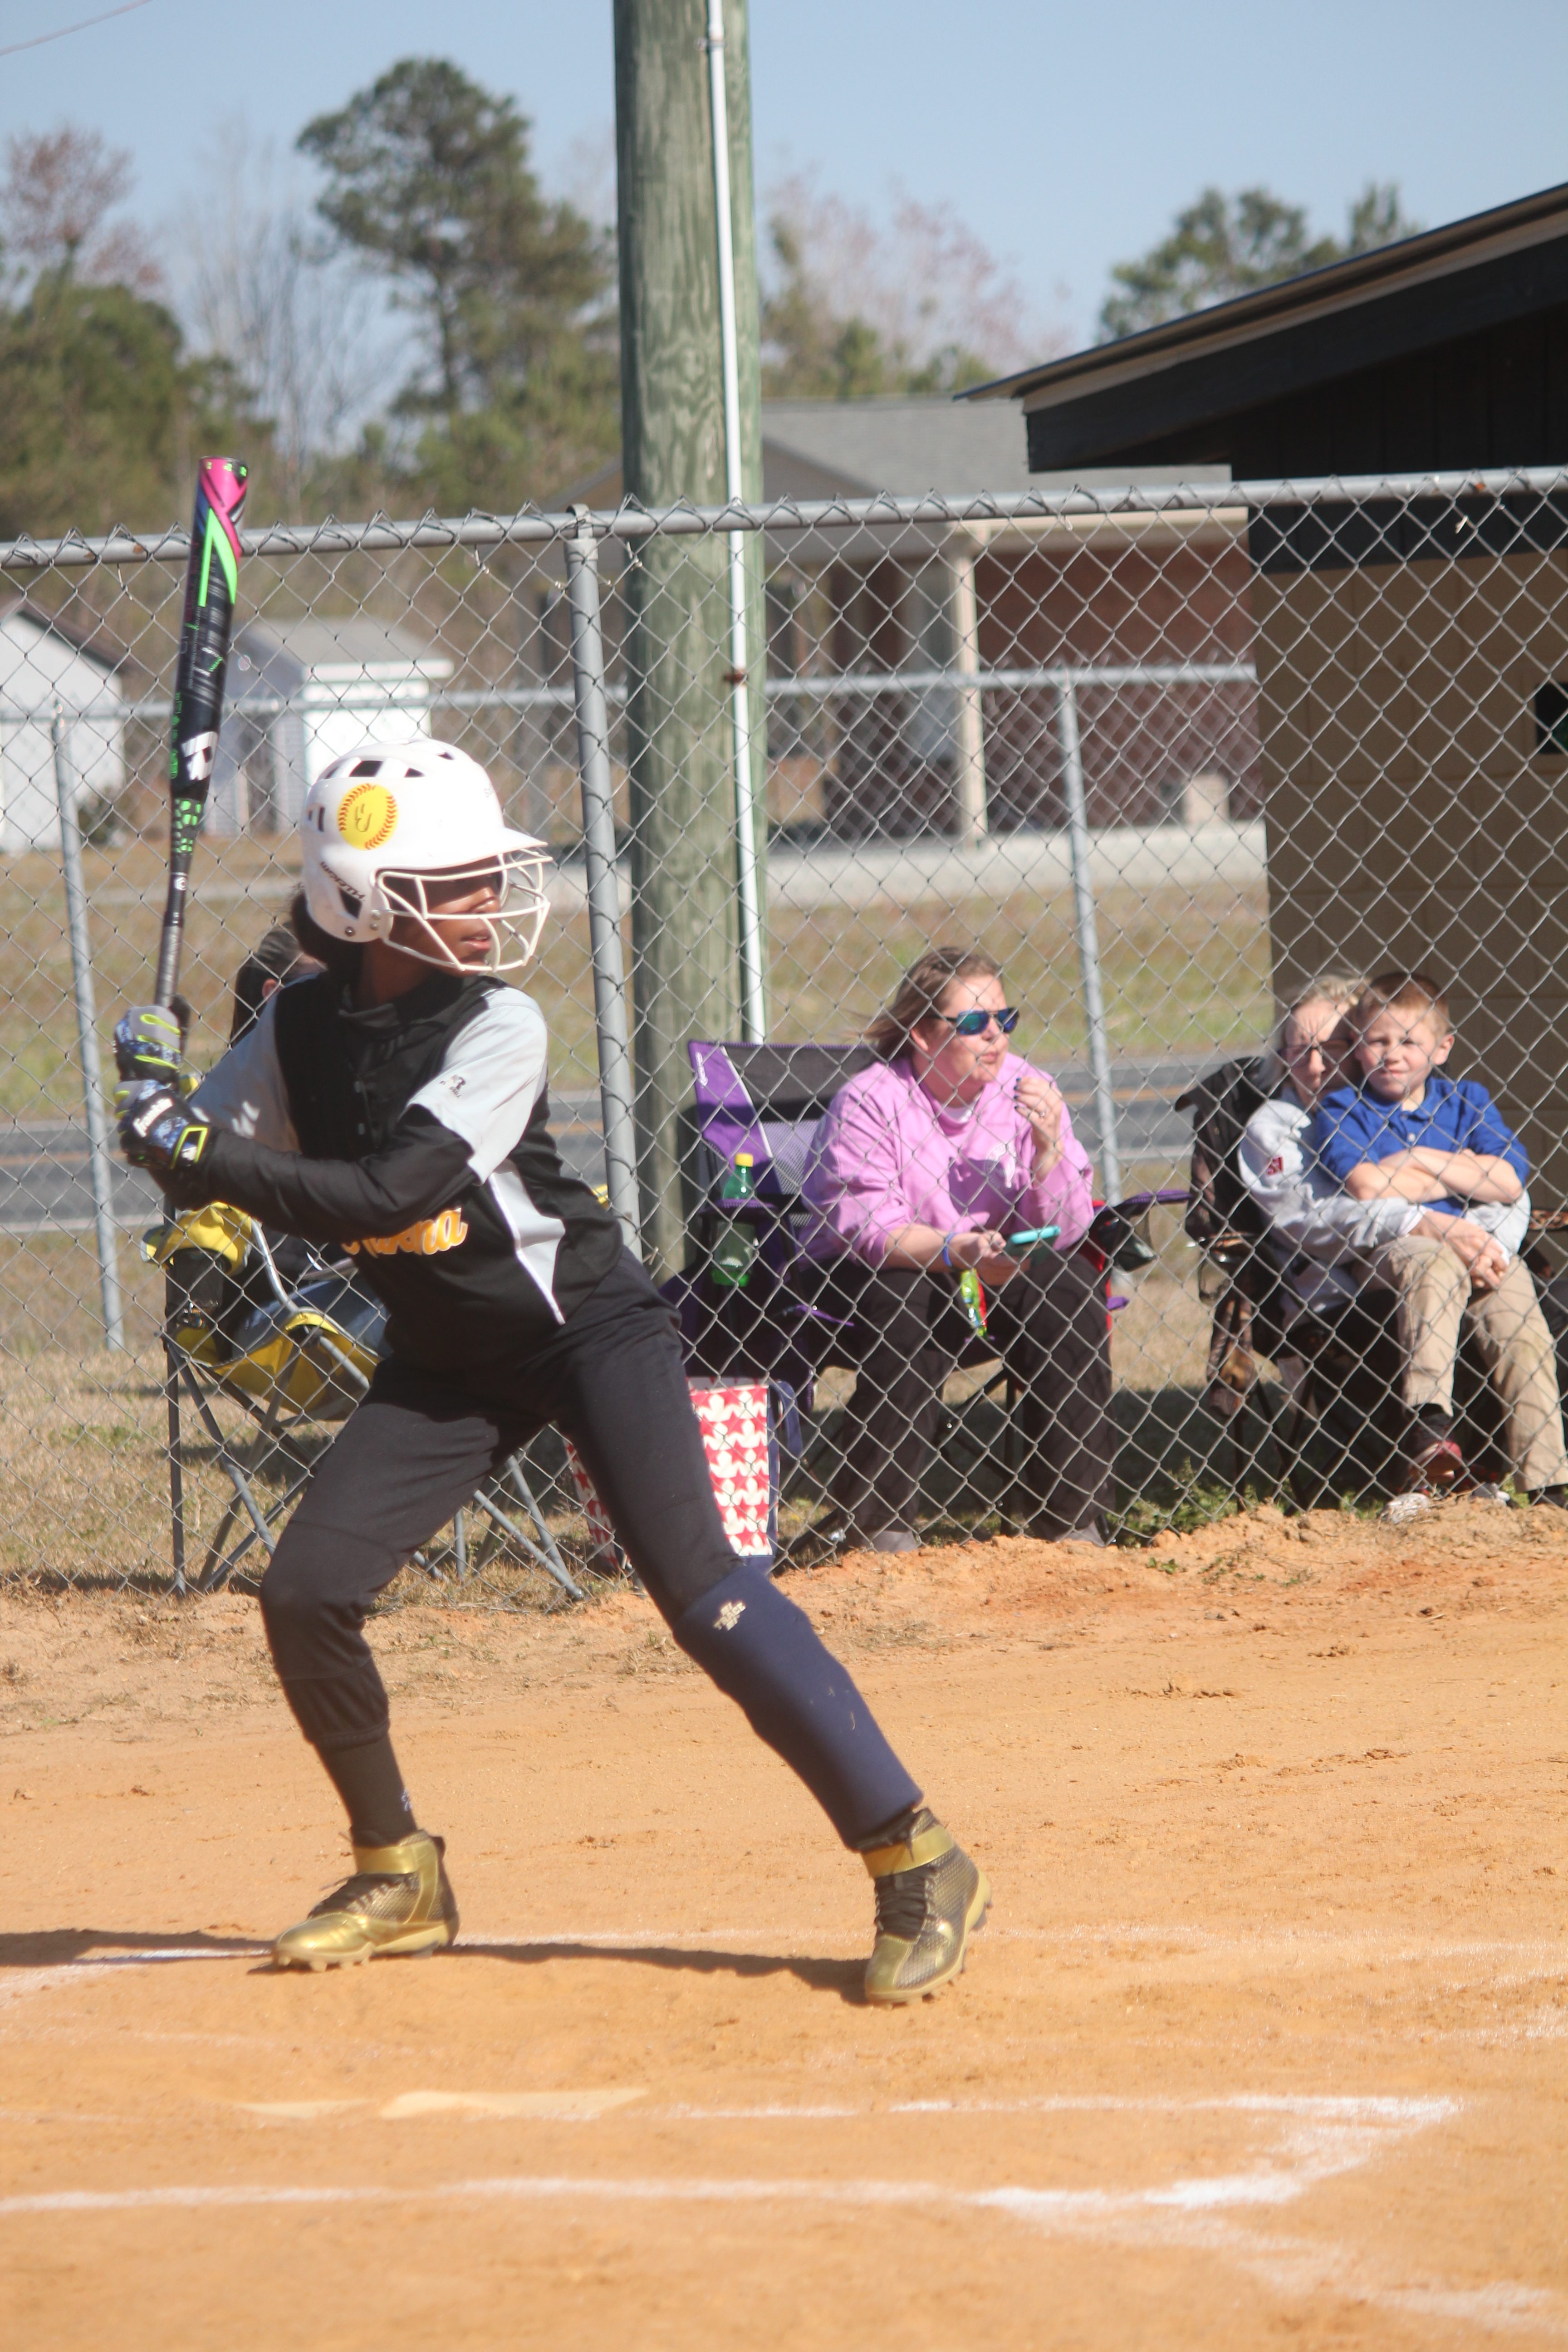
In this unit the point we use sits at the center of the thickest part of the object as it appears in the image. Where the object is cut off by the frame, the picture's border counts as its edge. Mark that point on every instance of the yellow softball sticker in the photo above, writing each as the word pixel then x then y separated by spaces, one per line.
pixel 367 816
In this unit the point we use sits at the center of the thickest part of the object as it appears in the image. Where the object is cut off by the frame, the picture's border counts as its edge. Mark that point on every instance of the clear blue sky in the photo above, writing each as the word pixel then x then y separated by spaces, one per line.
pixel 1066 134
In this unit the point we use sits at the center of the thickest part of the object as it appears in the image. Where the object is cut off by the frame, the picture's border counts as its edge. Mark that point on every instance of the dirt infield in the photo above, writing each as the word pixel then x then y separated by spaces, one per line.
pixel 1267 2043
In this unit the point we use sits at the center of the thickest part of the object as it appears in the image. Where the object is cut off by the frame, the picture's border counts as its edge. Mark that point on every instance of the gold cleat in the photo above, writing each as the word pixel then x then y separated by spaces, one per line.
pixel 398 1900
pixel 931 1898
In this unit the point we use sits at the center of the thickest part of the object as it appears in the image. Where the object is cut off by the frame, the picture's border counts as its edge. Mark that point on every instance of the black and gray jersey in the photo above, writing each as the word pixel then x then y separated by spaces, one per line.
pixel 415 1134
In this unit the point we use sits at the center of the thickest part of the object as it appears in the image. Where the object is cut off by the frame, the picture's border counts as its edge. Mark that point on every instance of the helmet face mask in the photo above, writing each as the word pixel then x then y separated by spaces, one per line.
pixel 392 832
pixel 413 901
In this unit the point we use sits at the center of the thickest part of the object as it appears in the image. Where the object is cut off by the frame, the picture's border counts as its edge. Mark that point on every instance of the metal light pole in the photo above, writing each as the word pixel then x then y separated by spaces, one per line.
pixel 99 1158
pixel 753 1010
pixel 1088 934
pixel 604 880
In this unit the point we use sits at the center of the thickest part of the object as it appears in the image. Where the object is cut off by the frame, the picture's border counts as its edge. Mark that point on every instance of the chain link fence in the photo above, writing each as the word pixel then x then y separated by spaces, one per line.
pixel 1160 756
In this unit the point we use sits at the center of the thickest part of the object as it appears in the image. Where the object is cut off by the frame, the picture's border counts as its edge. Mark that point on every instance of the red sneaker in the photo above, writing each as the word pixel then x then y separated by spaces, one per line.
pixel 1438 1469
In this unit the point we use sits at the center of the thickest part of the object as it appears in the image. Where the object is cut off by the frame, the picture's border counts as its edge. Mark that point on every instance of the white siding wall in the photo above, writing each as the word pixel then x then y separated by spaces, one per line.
pixel 36 668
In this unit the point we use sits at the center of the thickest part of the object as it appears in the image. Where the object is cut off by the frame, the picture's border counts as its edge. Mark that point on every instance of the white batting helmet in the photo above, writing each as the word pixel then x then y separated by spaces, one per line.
pixel 384 820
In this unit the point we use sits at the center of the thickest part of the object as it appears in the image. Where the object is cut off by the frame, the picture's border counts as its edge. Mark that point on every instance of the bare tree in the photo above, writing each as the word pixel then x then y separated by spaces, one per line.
pixel 587 172
pixel 306 336
pixel 58 190
pixel 914 301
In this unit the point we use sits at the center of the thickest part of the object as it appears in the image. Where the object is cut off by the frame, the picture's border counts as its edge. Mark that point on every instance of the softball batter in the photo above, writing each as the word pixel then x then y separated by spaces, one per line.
pixel 397 1105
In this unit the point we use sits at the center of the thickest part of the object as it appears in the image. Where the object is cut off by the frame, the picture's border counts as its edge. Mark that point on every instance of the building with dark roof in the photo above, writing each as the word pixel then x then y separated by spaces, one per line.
pixel 1446 350
pixel 1412 651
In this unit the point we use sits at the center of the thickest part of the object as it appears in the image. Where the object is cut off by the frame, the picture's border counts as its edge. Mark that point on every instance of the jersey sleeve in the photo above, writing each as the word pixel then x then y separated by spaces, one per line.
pixel 416 1174
pixel 1304 1215
pixel 1271 1162
pixel 244 1092
pixel 1507 1221
pixel 488 1086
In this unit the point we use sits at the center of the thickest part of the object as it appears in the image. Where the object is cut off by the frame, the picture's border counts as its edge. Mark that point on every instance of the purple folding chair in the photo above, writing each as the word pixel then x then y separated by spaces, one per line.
pixel 765 1100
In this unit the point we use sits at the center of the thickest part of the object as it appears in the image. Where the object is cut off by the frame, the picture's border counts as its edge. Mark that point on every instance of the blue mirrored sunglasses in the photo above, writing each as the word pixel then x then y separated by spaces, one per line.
pixel 974 1023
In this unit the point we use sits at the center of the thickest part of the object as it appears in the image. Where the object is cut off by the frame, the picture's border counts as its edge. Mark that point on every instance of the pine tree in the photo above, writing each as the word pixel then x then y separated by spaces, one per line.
pixel 1222 246
pixel 429 184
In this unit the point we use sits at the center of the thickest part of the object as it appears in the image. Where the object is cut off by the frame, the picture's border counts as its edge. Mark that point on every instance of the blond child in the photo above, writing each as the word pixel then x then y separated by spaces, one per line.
pixel 1407 1132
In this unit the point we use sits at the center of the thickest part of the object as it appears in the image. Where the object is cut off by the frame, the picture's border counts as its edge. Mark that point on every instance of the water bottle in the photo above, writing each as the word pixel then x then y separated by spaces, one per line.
pixel 736 1248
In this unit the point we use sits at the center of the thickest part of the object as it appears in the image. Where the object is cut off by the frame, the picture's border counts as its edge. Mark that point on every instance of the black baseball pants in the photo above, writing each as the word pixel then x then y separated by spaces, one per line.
pixel 905 1332
pixel 612 1379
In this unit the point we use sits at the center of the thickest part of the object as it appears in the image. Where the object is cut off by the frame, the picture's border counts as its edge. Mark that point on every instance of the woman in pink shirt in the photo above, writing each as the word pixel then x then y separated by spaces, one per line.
pixel 922 1166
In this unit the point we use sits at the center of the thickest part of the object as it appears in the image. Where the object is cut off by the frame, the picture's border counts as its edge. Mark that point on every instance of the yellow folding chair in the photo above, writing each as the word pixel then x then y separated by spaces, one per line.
pixel 294 1346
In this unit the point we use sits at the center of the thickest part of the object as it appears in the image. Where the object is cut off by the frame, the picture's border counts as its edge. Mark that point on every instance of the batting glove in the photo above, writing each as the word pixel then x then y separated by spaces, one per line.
pixel 147 1044
pixel 158 1129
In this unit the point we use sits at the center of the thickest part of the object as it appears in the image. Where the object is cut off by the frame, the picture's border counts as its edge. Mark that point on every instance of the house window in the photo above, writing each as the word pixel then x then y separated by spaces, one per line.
pixel 1551 719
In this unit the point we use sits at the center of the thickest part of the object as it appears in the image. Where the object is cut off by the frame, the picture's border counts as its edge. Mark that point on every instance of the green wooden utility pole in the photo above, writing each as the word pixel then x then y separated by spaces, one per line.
pixel 682 785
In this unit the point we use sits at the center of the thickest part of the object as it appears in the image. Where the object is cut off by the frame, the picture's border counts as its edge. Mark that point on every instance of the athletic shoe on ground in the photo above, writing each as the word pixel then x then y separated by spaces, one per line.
pixel 1052 1531
pixel 931 1898
pixel 1438 1469
pixel 1557 1496
pixel 886 1540
pixel 398 1900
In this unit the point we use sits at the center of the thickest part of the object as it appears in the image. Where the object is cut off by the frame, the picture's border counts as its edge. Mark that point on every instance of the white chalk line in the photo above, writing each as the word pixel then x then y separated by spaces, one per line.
pixel 1533 1958
pixel 1327 2137
pixel 1314 1943
pixel 566 2105
pixel 14 1984
pixel 1310 1945
pixel 1030 2204
pixel 1305 2271
pixel 587 2105
pixel 561 2106
pixel 174 1952
pixel 1414 2112
pixel 1190 2215
pixel 1321 2139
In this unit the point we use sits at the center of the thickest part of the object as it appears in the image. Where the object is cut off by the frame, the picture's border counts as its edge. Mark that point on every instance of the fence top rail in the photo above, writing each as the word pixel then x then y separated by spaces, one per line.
pixel 824 687
pixel 631 522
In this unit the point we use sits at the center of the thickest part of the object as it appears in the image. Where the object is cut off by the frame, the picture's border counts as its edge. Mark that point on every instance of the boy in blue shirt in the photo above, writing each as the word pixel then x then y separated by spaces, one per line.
pixel 1409 1133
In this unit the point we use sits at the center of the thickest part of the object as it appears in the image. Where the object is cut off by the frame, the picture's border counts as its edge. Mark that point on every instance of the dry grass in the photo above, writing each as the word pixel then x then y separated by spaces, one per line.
pixel 1160 1339
pixel 83 1475
pixel 84 1494
pixel 1179 971
pixel 83 1463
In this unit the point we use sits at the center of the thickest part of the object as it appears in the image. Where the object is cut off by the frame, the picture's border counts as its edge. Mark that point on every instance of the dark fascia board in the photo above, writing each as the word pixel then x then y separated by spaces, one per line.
pixel 1200 391
pixel 1343 284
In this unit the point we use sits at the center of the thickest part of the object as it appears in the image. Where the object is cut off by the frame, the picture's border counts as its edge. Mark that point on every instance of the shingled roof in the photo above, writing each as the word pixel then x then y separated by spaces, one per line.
pixel 1464 328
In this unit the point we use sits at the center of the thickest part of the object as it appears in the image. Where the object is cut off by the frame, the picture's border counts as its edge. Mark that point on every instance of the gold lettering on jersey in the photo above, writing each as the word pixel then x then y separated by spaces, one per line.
pixel 428 1238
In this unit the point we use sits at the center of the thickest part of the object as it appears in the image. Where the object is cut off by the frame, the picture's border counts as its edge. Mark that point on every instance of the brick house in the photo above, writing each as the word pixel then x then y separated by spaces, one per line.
pixel 939 605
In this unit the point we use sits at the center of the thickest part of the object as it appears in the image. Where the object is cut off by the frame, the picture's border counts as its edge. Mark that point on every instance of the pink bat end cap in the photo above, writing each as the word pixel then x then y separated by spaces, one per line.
pixel 221 481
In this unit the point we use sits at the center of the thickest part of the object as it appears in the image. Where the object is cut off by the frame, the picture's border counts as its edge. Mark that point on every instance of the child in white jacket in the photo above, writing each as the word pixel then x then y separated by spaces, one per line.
pixel 1321 1238
pixel 1328 1245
